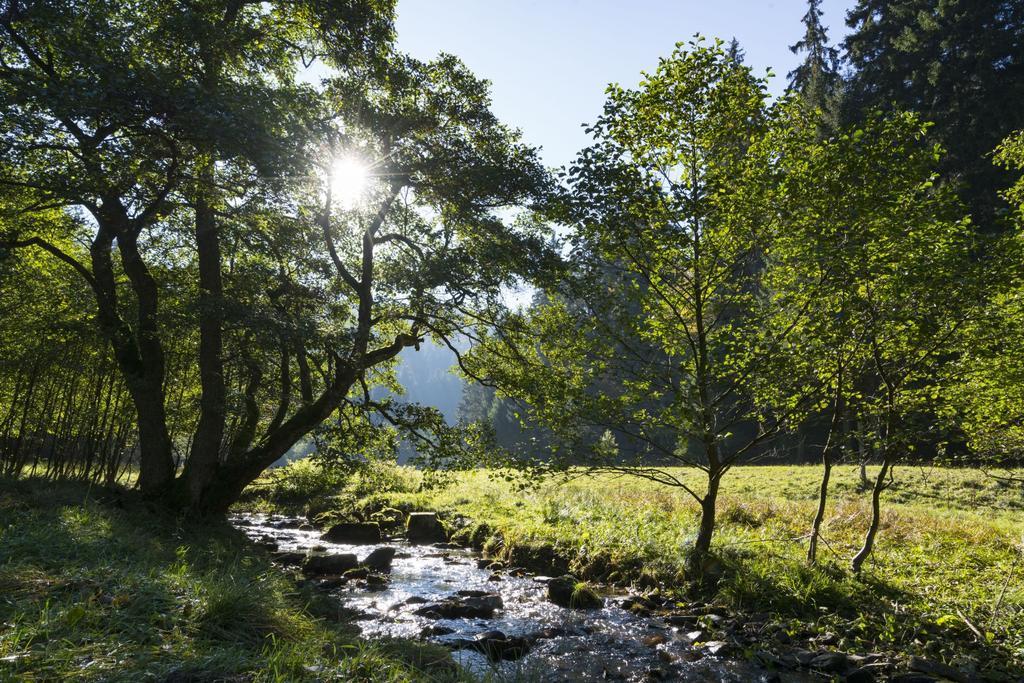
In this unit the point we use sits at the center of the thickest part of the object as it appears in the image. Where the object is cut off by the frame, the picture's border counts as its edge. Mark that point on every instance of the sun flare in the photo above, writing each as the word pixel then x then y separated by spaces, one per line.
pixel 349 178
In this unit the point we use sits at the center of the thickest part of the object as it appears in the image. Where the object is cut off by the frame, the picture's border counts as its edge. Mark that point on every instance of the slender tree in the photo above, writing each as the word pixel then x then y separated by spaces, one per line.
pixel 667 212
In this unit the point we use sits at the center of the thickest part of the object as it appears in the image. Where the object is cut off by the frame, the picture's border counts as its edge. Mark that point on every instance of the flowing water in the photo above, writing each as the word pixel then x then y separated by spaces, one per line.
pixel 611 643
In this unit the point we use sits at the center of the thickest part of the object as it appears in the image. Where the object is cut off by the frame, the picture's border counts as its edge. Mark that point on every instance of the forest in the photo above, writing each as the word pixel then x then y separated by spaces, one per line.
pixel 740 388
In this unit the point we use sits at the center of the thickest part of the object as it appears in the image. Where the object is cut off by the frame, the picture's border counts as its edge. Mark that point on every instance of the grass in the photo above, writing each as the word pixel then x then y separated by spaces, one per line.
pixel 94 586
pixel 946 580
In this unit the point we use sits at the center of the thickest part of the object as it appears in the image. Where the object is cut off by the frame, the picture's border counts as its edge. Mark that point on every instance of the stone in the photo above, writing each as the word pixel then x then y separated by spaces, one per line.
pixel 861 675
pixel 290 523
pixel 268 542
pixel 682 619
pixel 424 527
pixel 653 640
pixel 566 591
pixel 936 669
pixel 357 573
pixel 913 678
pixel 832 662
pixel 716 647
pixel 380 559
pixel 289 558
pixel 497 646
pixel 376 582
pixel 353 533
pixel 463 607
pixel 434 631
pixel 330 564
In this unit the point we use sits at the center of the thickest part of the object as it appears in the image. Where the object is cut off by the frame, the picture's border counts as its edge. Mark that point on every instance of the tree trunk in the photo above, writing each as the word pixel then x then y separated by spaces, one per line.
pixel 138 352
pixel 819 516
pixel 204 458
pixel 705 531
pixel 826 472
pixel 876 493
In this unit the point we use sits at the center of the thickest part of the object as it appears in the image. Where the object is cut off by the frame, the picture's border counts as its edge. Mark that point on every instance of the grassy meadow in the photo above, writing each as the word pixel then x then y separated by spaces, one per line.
pixel 946 580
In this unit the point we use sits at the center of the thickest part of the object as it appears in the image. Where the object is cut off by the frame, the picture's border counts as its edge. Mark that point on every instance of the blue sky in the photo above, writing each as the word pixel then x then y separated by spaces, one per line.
pixel 549 61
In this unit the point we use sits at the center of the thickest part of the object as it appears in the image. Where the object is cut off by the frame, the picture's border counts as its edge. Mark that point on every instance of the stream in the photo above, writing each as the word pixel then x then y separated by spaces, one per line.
pixel 560 644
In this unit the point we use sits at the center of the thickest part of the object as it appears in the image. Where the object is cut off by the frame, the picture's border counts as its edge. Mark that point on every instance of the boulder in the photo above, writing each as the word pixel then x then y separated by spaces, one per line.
pixel 865 674
pixel 268 542
pixel 353 533
pixel 376 582
pixel 380 559
pixel 566 591
pixel 424 527
pixel 330 564
pixel 288 523
pixel 434 631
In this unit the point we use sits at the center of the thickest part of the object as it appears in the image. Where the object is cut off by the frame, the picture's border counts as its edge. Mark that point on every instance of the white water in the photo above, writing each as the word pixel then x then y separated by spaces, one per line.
pixel 605 644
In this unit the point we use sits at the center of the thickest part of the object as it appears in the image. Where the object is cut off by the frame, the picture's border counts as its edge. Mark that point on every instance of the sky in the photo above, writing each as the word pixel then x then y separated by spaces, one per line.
pixel 549 61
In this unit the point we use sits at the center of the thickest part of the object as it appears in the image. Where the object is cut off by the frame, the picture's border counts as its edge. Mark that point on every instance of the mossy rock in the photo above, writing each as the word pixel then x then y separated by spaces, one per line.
pixel 389 518
pixel 568 591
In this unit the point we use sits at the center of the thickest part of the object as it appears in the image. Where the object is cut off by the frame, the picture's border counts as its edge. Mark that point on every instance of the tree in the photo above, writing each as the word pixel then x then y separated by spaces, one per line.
pixel 184 143
pixel 666 210
pixel 988 376
pixel 957 63
pixel 817 78
pixel 865 244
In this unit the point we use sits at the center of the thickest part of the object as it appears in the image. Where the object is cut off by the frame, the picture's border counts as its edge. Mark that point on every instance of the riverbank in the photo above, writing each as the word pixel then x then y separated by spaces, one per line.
pixel 945 583
pixel 95 586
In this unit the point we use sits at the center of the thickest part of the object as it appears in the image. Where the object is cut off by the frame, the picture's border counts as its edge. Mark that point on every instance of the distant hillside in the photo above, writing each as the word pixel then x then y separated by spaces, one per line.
pixel 428 379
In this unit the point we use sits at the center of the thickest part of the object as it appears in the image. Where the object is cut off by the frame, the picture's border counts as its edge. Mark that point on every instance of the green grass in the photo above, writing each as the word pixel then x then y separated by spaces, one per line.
pixel 94 586
pixel 948 559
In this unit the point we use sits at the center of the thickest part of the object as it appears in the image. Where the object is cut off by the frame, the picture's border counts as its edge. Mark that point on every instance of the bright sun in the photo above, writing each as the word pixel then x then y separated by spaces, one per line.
pixel 349 178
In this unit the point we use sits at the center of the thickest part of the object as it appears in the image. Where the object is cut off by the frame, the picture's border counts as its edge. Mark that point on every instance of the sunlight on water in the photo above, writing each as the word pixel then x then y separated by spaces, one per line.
pixel 577 645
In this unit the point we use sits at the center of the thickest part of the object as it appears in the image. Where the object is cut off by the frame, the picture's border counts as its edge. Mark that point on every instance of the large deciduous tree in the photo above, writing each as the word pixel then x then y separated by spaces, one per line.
pixel 198 164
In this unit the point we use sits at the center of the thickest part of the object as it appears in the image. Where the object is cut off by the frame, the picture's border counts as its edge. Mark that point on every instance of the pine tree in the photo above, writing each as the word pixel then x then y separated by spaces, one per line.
pixel 735 52
pixel 817 78
pixel 959 64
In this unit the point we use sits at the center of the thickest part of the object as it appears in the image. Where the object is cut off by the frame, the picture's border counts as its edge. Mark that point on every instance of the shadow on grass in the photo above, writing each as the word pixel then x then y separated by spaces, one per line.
pixel 97 585
pixel 875 613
